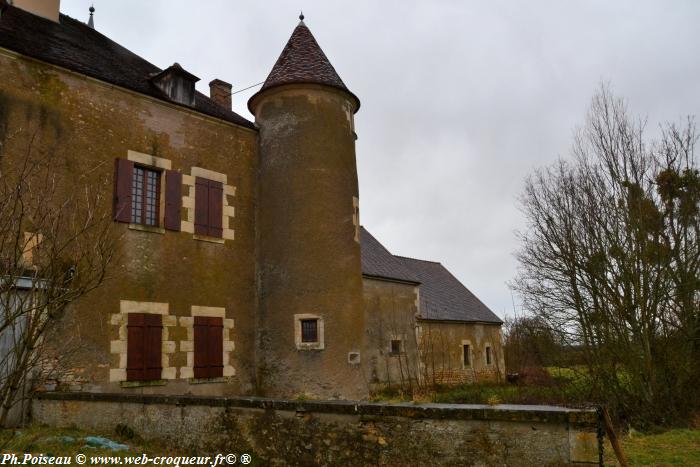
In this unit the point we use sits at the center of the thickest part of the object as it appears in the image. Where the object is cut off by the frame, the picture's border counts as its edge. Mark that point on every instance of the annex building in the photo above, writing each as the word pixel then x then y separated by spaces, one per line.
pixel 242 267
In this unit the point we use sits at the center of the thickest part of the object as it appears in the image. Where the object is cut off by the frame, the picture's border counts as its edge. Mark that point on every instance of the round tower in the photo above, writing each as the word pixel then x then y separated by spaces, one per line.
pixel 310 321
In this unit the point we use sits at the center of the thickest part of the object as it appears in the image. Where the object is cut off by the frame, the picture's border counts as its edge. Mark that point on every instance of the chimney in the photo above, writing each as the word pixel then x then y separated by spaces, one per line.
pixel 44 8
pixel 177 84
pixel 220 92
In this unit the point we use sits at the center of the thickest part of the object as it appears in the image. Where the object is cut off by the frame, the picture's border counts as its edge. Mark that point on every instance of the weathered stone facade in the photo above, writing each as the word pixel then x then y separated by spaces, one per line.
pixel 312 433
pixel 289 253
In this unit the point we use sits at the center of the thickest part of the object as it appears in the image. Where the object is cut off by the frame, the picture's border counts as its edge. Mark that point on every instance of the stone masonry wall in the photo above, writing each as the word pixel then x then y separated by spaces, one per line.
pixel 308 433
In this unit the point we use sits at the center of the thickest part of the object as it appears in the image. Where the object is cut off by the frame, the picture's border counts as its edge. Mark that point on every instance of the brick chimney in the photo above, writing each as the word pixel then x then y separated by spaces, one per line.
pixel 220 92
pixel 44 8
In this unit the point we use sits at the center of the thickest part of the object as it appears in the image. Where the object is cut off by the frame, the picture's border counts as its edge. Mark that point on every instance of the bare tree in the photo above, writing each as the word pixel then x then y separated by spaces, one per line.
pixel 610 259
pixel 56 242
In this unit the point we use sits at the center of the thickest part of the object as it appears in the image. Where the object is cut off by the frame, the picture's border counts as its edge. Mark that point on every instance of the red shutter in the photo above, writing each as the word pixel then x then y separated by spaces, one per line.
pixel 153 362
pixel 216 208
pixel 123 172
pixel 144 347
pixel 201 208
pixel 208 347
pixel 135 350
pixel 200 347
pixel 216 347
pixel 173 199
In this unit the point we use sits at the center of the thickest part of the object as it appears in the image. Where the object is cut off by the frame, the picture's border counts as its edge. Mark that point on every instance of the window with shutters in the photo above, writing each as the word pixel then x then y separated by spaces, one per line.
pixel 137 195
pixel 209 205
pixel 208 347
pixel 144 347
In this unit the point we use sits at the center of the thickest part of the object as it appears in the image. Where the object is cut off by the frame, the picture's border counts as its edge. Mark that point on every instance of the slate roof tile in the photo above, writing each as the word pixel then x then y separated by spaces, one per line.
pixel 74 45
pixel 443 297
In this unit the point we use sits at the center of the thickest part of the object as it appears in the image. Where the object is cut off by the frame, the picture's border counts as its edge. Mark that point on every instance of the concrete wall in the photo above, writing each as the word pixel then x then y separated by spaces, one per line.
pixel 292 433
pixel 84 125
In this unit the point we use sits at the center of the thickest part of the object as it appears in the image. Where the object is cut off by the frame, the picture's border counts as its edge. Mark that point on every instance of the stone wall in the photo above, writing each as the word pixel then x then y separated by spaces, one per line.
pixel 84 125
pixel 277 432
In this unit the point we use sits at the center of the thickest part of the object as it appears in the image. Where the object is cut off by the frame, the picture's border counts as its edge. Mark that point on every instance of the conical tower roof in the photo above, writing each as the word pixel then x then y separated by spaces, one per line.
pixel 303 61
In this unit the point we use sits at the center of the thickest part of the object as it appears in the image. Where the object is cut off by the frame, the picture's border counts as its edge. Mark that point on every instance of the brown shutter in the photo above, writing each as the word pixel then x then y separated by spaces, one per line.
pixel 173 199
pixel 216 347
pixel 144 347
pixel 201 208
pixel 200 347
pixel 153 362
pixel 123 172
pixel 216 208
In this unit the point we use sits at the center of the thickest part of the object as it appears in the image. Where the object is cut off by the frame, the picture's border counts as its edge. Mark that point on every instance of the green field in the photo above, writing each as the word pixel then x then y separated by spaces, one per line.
pixel 674 447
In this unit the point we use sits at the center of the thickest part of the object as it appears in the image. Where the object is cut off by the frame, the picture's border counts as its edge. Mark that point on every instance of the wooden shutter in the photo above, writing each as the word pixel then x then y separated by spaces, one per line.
pixel 144 346
pixel 208 347
pixel 173 199
pixel 123 172
pixel 216 208
pixel 201 208
pixel 135 351
pixel 208 209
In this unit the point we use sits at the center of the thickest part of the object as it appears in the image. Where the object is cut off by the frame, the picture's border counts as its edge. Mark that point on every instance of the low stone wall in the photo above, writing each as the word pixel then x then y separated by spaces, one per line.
pixel 308 433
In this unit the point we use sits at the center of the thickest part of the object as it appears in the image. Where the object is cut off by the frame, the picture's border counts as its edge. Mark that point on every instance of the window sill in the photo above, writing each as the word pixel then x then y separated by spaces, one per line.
pixel 205 238
pixel 310 346
pixel 394 354
pixel 219 379
pixel 147 228
pixel 140 384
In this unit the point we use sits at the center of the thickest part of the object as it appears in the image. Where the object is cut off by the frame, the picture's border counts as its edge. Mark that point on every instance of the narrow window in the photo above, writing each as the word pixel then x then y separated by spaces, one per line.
pixel 145 196
pixel 208 347
pixel 488 355
pixel 466 355
pixel 309 330
pixel 395 348
pixel 144 346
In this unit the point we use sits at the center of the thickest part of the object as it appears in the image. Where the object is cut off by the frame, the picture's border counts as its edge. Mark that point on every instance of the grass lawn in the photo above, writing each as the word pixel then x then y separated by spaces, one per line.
pixel 674 447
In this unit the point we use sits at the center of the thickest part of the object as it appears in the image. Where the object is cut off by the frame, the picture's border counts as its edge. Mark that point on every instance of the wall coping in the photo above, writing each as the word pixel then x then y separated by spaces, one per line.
pixel 580 418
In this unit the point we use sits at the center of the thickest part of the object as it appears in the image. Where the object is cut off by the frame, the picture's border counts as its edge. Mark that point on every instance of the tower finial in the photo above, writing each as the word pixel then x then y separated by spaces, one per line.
pixel 301 16
pixel 91 22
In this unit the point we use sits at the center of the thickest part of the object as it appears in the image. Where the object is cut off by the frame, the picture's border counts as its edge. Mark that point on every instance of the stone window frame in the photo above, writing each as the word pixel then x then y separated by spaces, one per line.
pixel 119 346
pixel 471 354
pixel 187 346
pixel 159 164
pixel 318 345
pixel 188 202
pixel 356 217
pixel 488 345
pixel 402 346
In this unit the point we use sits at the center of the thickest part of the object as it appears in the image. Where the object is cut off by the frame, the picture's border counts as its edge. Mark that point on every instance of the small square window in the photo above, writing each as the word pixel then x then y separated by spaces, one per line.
pixel 488 355
pixel 309 330
pixel 396 347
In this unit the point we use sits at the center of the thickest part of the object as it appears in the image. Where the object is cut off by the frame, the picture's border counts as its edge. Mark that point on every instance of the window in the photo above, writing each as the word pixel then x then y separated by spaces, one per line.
pixel 466 356
pixel 396 347
pixel 209 205
pixel 488 355
pixel 144 343
pixel 137 195
pixel 145 196
pixel 208 347
pixel 309 330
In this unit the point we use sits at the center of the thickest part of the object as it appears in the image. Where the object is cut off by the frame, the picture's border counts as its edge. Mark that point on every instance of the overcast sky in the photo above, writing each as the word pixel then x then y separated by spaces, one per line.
pixel 460 99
